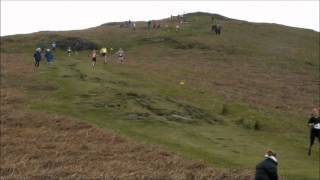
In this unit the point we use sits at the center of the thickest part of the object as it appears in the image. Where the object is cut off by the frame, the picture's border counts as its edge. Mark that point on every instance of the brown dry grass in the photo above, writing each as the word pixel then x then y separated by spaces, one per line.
pixel 43 146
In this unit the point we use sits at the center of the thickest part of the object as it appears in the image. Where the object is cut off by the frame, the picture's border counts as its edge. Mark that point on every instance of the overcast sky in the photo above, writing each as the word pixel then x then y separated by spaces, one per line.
pixel 20 17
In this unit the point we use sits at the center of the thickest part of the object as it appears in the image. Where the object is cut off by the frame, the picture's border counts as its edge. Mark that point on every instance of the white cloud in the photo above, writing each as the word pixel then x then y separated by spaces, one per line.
pixel 31 16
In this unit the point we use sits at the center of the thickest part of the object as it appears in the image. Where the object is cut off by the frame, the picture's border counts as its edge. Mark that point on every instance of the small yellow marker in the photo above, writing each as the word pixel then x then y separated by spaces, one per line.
pixel 181 83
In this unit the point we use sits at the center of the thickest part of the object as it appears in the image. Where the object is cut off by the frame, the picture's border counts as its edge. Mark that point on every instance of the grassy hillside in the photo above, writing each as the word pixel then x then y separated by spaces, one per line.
pixel 250 89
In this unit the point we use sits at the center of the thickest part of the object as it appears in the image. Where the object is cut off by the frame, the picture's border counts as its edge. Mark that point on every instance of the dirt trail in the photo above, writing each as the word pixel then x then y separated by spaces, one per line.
pixel 43 146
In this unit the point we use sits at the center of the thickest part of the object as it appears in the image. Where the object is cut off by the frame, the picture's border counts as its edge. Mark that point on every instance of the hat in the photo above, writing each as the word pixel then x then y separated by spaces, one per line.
pixel 271 153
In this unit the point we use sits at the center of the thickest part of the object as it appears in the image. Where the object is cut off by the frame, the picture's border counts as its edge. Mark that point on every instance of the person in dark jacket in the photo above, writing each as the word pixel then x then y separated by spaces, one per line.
pixel 37 58
pixel 149 24
pixel 267 169
pixel 314 123
pixel 49 57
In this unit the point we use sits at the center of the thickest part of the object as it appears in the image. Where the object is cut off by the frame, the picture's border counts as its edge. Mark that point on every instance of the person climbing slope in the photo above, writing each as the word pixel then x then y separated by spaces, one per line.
pixel 267 169
pixel 49 57
pixel 314 123
pixel 37 58
pixel 120 55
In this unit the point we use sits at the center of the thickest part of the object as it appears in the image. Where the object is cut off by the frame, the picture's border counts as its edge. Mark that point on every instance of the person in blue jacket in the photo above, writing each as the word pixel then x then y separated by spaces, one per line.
pixel 37 58
pixel 267 169
pixel 49 57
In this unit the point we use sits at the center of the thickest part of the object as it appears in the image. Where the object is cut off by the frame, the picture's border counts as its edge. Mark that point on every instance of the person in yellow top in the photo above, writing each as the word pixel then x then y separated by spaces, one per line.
pixel 103 52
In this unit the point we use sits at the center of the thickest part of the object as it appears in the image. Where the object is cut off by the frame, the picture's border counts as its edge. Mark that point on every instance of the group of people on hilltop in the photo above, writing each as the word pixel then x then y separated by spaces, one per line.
pixel 129 24
pixel 156 25
pixel 215 27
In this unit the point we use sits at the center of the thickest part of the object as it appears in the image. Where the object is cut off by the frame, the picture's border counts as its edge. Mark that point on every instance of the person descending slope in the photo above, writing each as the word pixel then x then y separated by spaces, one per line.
pixel 177 28
pixel 314 123
pixel 49 57
pixel 267 169
pixel 120 55
pixel 37 58
pixel 134 26
pixel 103 52
pixel 94 58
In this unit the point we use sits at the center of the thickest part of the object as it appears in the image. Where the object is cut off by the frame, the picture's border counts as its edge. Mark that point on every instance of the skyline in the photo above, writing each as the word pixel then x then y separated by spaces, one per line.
pixel 37 16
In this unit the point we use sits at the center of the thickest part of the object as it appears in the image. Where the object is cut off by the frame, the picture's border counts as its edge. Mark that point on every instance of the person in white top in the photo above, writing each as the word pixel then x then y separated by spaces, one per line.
pixel 120 55
pixel 177 28
pixel 314 123
pixel 134 26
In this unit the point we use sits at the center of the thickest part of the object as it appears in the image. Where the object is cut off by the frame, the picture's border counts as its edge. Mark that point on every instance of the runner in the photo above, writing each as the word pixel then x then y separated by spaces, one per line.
pixel 103 52
pixel 94 58
pixel 314 123
pixel 69 51
pixel 49 57
pixel 177 28
pixel 134 26
pixel 37 58
pixel 53 46
pixel 120 54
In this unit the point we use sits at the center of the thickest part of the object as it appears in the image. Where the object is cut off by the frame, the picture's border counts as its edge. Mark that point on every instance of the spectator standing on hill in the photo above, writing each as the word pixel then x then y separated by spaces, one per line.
pixel 37 58
pixel 267 169
pixel 120 55
pixel 154 24
pixel 49 57
pixel 149 24
pixel 219 27
pixel 314 123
